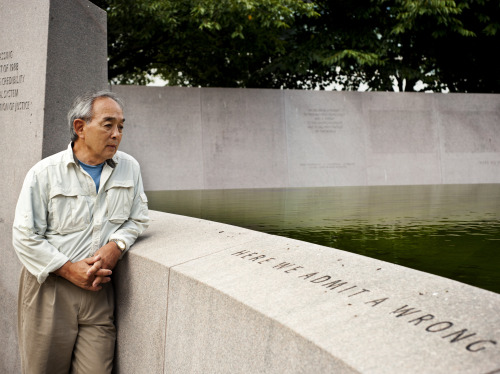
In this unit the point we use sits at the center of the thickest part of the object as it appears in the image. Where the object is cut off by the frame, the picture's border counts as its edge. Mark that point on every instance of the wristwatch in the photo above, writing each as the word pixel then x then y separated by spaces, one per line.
pixel 120 243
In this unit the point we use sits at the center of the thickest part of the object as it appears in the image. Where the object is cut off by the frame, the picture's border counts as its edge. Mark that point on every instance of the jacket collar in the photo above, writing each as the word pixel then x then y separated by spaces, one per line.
pixel 70 158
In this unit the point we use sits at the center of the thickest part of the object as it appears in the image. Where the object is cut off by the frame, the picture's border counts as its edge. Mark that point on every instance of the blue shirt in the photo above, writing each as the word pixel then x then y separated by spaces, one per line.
pixel 95 172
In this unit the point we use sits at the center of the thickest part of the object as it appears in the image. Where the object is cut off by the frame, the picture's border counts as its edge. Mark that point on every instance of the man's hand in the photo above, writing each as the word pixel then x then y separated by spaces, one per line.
pixel 109 254
pixel 87 273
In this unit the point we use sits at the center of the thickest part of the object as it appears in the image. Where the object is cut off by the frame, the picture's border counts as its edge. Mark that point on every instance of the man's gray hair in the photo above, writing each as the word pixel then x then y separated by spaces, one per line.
pixel 83 105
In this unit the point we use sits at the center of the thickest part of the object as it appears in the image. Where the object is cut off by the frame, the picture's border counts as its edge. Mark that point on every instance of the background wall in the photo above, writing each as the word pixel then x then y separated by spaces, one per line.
pixel 209 138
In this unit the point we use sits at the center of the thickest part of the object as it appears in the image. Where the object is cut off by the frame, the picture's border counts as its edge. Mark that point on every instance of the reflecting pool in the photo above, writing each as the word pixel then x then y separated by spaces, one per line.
pixel 449 230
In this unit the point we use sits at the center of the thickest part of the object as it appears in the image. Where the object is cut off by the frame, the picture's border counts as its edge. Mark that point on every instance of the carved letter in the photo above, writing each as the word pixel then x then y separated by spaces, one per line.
pixel 357 293
pixel 307 275
pixel 239 253
pixel 256 258
pixel 447 326
pixel 295 268
pixel 479 341
pixel 321 279
pixel 459 336
pixel 333 285
pixel 404 312
pixel 347 289
pixel 423 318
pixel 267 260
pixel 251 254
pixel 377 301
pixel 283 265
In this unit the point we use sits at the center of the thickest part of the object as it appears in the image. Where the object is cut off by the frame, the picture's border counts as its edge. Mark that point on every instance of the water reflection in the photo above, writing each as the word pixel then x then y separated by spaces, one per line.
pixel 448 230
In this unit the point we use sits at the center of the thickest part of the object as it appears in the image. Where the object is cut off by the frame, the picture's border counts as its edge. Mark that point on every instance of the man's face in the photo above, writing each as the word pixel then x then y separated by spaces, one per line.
pixel 102 135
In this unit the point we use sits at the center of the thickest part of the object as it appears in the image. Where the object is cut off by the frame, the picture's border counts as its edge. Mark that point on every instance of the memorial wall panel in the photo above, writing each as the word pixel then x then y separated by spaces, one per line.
pixel 470 137
pixel 216 138
pixel 163 132
pixel 403 145
pixel 325 139
pixel 243 138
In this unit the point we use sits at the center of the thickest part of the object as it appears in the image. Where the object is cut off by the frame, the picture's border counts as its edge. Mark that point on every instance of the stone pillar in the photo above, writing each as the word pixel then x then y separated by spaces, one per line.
pixel 50 51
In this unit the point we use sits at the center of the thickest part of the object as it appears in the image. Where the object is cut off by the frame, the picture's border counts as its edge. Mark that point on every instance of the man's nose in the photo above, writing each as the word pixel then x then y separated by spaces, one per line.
pixel 115 132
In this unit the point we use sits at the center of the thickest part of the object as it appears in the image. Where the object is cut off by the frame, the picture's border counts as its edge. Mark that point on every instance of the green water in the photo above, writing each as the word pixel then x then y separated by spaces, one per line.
pixel 449 230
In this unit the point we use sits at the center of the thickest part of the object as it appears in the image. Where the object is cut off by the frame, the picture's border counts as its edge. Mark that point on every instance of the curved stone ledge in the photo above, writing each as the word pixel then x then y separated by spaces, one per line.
pixel 196 296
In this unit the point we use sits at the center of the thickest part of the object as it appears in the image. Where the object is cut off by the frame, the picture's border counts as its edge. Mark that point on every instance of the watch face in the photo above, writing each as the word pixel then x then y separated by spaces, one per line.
pixel 120 244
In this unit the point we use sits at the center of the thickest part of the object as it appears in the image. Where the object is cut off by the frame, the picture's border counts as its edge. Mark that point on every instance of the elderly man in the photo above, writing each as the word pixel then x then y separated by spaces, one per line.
pixel 78 212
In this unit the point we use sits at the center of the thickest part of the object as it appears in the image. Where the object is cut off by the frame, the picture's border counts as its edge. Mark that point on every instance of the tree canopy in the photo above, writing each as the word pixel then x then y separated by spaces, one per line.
pixel 381 44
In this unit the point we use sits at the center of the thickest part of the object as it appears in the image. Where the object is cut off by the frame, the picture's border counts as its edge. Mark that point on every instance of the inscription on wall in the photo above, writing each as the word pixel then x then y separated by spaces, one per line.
pixel 324 121
pixel 363 299
pixel 490 162
pixel 12 81
pixel 329 165
pixel 328 124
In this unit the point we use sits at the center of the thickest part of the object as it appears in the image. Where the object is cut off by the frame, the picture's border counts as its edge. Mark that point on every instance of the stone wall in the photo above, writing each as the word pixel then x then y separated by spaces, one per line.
pixel 50 52
pixel 203 297
pixel 212 138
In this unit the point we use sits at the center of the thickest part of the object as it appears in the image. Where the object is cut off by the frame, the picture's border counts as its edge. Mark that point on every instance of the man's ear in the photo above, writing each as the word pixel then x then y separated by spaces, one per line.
pixel 78 126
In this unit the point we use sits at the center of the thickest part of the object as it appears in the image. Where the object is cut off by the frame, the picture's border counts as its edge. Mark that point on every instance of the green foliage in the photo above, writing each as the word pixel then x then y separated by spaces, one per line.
pixel 197 42
pixel 302 44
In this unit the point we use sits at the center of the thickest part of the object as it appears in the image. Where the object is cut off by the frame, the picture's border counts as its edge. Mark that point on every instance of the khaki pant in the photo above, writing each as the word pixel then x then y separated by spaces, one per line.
pixel 63 328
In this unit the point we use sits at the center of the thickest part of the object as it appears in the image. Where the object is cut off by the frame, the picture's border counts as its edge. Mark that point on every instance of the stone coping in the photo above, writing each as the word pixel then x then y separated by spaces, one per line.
pixel 196 296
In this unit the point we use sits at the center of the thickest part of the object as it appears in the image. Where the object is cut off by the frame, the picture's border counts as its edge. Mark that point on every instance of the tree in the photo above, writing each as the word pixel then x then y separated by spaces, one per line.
pixel 388 43
pixel 447 44
pixel 225 43
pixel 298 44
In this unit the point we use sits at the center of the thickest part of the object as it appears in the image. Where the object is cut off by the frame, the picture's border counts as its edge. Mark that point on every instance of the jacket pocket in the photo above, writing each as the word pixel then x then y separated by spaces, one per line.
pixel 68 211
pixel 119 198
pixel 144 203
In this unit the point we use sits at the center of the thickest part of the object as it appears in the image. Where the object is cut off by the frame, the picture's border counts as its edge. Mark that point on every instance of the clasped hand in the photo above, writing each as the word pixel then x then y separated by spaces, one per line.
pixel 87 273
pixel 91 272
